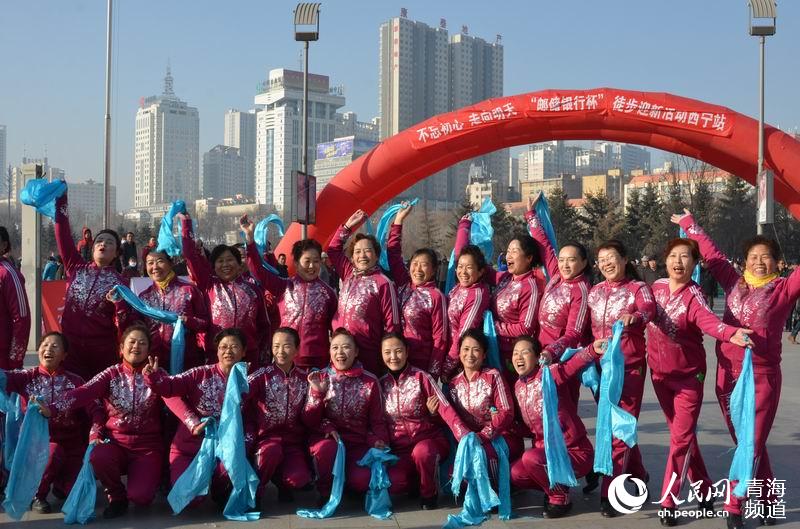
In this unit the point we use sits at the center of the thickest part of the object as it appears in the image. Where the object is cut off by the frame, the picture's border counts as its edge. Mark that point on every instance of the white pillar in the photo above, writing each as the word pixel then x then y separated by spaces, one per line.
pixel 32 270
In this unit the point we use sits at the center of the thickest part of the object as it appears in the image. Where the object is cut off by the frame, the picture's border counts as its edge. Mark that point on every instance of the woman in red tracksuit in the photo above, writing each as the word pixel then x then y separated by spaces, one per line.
pixel 234 299
pixel 563 310
pixel 92 319
pixel 202 390
pixel 48 383
pixel 622 297
pixel 482 400
pixel 423 307
pixel 132 425
pixel 306 303
pixel 530 470
pixel 344 402
pixel 760 300
pixel 275 422
pixel 515 301
pixel 470 297
pixel 411 402
pixel 368 299
pixel 169 292
pixel 15 314
pixel 677 363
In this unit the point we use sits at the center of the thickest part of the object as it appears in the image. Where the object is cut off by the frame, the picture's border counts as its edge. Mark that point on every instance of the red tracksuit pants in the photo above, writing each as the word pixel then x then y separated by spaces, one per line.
pixel 285 464
pixel 530 471
pixel 62 468
pixel 418 467
pixel 680 399
pixel 179 461
pixel 768 394
pixel 323 455
pixel 141 461
pixel 628 460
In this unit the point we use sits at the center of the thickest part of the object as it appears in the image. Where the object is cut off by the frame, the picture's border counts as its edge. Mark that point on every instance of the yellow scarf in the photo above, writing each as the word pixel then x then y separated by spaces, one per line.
pixel 165 283
pixel 757 282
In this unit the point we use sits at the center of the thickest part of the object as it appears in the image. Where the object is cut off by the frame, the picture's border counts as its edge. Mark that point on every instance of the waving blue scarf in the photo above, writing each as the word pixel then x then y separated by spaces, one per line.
pixel 231 451
pixel 29 463
pixel 612 421
pixel 543 212
pixel 260 237
pixel 559 466
pixel 336 491
pixel 11 406
pixel 743 416
pixel 471 466
pixel 42 195
pixel 378 503
pixel 195 479
pixel 79 506
pixel 480 234
pixel 382 233
pixel 178 343
pixel 493 353
pixel 167 242
pixel 696 271
pixel 590 378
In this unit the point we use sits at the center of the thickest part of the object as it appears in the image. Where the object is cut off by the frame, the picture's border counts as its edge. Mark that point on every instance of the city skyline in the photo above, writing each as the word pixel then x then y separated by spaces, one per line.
pixel 67 123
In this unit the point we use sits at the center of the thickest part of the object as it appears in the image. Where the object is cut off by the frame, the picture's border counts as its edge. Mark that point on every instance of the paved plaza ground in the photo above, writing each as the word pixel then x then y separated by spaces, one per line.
pixel 715 442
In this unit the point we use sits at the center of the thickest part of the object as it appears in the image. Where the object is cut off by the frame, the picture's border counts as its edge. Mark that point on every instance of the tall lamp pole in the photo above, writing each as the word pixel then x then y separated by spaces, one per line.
pixel 107 141
pixel 306 29
pixel 762 24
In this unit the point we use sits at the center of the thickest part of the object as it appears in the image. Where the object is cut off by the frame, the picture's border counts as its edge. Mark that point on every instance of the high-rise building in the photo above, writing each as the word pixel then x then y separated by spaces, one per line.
pixel 626 157
pixel 547 160
pixel 224 172
pixel 591 162
pixel 423 72
pixel 167 149
pixel 414 84
pixel 279 132
pixel 240 132
pixel 333 156
pixel 347 124
pixel 4 177
pixel 86 201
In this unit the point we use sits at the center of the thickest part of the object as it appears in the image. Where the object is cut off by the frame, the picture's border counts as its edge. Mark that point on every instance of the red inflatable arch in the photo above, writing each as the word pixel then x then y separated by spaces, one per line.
pixel 714 134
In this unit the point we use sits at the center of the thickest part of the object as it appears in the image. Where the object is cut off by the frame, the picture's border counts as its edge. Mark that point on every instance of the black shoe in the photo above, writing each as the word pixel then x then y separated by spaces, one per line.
pixel 321 501
pixel 707 507
pixel 735 521
pixel 59 494
pixel 41 506
pixel 115 509
pixel 668 519
pixel 592 482
pixel 285 495
pixel 429 504
pixel 556 511
pixel 606 509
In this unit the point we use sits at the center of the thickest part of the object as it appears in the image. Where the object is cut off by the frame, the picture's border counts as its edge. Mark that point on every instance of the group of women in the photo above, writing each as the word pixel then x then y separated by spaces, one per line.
pixel 365 368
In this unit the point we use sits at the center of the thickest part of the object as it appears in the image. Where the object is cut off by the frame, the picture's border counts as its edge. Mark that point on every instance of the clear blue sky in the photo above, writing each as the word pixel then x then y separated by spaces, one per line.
pixel 52 59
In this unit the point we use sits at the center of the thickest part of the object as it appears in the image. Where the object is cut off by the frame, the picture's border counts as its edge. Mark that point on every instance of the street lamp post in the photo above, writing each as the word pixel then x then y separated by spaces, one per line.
pixel 107 140
pixel 306 29
pixel 762 25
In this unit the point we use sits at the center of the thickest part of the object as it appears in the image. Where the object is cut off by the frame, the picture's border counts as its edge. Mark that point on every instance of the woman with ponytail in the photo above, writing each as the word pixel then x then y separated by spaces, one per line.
pixel 622 296
pixel 761 300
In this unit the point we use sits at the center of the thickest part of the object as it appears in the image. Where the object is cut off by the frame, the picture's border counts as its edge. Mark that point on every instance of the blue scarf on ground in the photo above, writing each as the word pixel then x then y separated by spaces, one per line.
pixel 471 466
pixel 79 506
pixel 336 491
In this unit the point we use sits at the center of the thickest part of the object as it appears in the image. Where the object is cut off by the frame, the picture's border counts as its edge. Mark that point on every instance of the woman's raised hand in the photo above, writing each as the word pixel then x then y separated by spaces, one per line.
pixel 356 219
pixel 676 218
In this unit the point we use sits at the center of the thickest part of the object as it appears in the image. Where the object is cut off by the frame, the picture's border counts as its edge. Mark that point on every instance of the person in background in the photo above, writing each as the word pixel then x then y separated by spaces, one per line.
pixel 441 275
pixel 650 270
pixel 15 313
pixel 50 269
pixel 130 271
pixel 283 270
pixel 151 245
pixel 129 252
pixel 85 245
pixel 93 318
pixel 707 284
